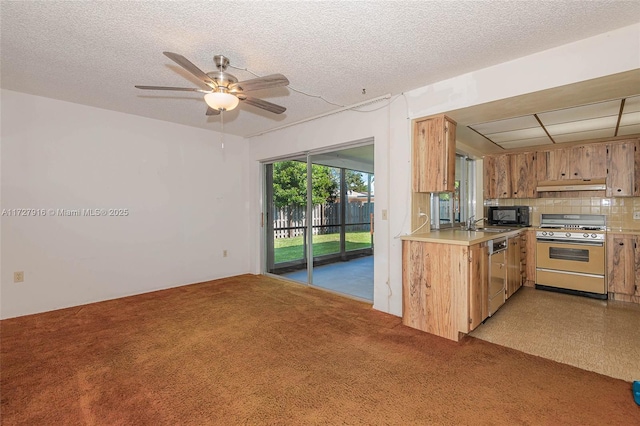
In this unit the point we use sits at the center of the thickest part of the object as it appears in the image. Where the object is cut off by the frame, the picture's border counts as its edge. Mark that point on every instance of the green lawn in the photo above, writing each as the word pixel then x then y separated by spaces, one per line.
pixel 287 249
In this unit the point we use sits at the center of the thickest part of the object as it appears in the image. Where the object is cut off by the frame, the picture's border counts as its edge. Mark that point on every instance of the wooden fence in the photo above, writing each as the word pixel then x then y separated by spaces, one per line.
pixel 291 221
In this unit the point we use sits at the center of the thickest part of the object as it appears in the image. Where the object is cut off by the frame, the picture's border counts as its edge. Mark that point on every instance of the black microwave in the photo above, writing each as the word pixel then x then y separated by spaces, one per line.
pixel 509 215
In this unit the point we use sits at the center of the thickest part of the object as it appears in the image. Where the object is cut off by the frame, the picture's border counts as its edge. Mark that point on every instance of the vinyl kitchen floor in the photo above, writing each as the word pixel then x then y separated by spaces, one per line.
pixel 595 335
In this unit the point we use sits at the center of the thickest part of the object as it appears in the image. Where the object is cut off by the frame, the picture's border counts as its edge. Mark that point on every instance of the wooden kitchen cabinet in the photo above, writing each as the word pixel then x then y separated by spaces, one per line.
pixel 434 155
pixel 558 164
pixel 623 266
pixel 529 251
pixel 514 270
pixel 588 162
pixel 523 170
pixel 478 284
pixel 444 287
pixel 497 176
pixel 578 162
pixel 623 169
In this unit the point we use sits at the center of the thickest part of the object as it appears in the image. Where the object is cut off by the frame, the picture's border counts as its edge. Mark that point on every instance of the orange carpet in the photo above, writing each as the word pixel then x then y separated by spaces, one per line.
pixel 255 350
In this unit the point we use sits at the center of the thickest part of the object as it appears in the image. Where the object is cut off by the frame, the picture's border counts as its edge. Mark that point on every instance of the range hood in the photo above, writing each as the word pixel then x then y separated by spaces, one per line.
pixel 572 185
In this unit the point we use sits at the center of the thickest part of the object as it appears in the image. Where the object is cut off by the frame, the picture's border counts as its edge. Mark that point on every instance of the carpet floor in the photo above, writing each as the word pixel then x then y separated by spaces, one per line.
pixel 257 350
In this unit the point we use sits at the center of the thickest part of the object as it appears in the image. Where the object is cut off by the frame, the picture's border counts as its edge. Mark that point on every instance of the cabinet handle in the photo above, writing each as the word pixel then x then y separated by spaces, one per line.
pixel 561 174
pixel 575 174
pixel 621 244
pixel 619 190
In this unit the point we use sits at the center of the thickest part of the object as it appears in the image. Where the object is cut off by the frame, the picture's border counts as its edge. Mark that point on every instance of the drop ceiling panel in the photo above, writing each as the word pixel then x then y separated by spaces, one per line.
pixel 582 136
pixel 517 123
pixel 629 130
pixel 583 112
pixel 630 118
pixel 526 142
pixel 582 126
pixel 632 104
pixel 533 132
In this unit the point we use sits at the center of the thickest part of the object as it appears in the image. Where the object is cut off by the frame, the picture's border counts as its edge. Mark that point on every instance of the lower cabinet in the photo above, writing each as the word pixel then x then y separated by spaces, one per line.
pixel 444 287
pixel 514 265
pixel 529 257
pixel 623 267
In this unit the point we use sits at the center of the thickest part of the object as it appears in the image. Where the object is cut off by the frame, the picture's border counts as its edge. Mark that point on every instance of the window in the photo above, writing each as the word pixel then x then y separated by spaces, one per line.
pixel 452 208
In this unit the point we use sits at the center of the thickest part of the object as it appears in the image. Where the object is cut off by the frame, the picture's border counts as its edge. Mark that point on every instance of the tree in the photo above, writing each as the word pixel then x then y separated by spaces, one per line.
pixel 290 187
pixel 355 181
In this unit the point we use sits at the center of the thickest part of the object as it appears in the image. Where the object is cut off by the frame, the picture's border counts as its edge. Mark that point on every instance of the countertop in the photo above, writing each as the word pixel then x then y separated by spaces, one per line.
pixel 467 238
pixel 459 237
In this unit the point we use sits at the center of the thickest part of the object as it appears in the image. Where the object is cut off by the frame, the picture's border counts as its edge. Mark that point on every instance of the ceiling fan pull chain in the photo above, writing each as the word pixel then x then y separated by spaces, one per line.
pixel 222 125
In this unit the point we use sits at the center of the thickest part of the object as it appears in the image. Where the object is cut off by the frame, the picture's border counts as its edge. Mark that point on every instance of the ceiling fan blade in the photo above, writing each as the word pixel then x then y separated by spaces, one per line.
pixel 211 111
pixel 266 82
pixel 180 89
pixel 260 103
pixel 189 66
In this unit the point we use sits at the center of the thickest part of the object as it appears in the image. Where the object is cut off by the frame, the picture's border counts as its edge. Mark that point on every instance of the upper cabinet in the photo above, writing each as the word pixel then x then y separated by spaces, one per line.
pixel 517 175
pixel 510 176
pixel 523 171
pixel 557 164
pixel 578 162
pixel 588 162
pixel 434 154
pixel 623 169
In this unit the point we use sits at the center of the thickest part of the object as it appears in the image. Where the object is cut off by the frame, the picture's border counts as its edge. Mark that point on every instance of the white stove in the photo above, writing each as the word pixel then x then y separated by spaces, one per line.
pixel 570 254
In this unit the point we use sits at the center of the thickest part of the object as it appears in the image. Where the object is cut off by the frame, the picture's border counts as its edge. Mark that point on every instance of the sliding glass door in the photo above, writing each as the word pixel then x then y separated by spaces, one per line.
pixel 322 209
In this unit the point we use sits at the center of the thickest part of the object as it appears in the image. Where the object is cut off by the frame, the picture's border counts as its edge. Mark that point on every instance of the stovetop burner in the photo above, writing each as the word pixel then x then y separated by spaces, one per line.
pixel 572 227
pixel 577 222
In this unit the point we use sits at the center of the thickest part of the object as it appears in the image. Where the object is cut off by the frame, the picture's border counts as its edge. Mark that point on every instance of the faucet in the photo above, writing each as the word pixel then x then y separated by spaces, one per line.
pixel 471 224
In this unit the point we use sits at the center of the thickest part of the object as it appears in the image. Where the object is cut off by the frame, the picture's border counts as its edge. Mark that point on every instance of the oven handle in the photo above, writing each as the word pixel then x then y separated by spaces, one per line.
pixel 582 274
pixel 576 242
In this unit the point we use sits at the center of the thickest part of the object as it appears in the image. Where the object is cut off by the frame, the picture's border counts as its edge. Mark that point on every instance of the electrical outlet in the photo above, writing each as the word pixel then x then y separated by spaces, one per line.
pixel 224 253
pixel 18 277
pixel 384 214
pixel 636 215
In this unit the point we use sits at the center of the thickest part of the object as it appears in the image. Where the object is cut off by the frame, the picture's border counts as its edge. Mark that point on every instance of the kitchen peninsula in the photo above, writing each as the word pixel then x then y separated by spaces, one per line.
pixel 446 278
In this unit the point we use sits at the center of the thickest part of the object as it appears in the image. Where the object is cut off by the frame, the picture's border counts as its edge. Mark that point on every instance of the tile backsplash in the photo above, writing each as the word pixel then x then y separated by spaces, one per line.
pixel 619 210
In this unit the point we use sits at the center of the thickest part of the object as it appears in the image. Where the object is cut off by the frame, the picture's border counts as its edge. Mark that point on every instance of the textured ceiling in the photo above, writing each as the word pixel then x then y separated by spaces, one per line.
pixel 93 53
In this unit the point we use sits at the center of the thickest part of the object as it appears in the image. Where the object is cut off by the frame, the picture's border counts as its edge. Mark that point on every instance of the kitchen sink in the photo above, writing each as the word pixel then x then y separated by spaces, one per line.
pixel 496 230
pixel 491 230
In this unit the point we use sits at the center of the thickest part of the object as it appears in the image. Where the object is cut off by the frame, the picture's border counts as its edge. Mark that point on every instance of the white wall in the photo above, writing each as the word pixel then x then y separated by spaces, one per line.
pixel 186 199
pixel 605 54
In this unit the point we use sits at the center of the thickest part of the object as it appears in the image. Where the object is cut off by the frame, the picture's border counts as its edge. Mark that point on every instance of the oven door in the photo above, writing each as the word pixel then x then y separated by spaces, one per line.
pixel 578 266
pixel 586 258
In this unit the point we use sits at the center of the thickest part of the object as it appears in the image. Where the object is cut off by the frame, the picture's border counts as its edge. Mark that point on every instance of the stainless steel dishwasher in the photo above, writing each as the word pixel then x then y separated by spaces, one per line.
pixel 497 273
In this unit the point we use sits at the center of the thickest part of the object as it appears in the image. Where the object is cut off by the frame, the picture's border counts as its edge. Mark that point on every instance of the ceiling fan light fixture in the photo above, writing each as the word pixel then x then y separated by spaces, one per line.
pixel 221 101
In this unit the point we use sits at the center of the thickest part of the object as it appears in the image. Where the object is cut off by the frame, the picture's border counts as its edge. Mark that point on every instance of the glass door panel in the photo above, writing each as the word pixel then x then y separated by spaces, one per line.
pixel 285 221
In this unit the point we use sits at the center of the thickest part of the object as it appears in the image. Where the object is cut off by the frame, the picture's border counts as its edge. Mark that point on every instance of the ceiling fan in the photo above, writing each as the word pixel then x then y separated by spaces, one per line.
pixel 224 91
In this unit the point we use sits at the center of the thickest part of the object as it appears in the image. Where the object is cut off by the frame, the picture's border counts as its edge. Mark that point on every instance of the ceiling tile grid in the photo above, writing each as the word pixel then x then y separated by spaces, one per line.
pixel 618 117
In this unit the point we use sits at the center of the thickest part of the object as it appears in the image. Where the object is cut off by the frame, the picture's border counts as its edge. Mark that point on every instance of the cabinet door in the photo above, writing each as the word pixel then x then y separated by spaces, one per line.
pixel 588 161
pixel 523 175
pixel 621 162
pixel 558 164
pixel 513 266
pixel 502 179
pixel 434 155
pixel 530 253
pixel 478 284
pixel 621 263
pixel 489 184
